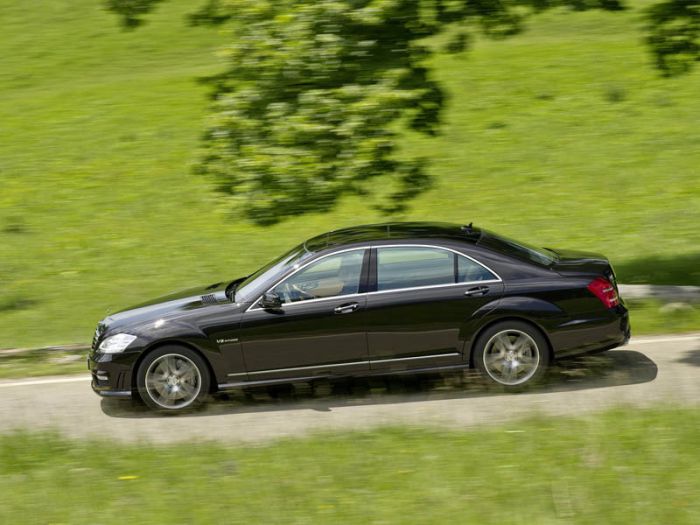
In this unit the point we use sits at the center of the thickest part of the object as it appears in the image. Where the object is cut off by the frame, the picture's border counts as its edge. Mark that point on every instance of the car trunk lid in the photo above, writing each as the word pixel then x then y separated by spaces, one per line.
pixel 574 262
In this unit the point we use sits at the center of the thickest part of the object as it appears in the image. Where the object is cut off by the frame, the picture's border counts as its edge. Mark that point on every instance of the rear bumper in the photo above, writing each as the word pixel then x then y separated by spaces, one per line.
pixel 595 334
pixel 111 374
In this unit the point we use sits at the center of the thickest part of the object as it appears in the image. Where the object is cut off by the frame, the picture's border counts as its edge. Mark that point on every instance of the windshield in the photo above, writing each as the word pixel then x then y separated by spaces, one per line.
pixel 517 249
pixel 255 283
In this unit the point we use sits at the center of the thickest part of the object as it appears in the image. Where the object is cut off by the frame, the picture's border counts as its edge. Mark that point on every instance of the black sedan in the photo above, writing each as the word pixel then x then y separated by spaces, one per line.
pixel 378 299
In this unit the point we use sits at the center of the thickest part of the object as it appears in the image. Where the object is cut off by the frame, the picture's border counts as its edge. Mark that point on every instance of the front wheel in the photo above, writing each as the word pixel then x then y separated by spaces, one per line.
pixel 512 355
pixel 172 378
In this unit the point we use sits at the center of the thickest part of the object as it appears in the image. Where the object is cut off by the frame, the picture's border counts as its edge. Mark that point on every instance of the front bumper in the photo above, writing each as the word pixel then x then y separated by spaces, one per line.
pixel 111 373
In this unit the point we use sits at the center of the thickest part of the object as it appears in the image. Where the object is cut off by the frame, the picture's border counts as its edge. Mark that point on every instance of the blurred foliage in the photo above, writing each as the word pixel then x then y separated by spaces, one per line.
pixel 306 111
pixel 674 35
pixel 131 11
pixel 303 114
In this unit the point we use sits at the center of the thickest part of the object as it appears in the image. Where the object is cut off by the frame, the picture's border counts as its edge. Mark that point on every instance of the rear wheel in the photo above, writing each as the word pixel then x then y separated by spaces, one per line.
pixel 512 355
pixel 172 378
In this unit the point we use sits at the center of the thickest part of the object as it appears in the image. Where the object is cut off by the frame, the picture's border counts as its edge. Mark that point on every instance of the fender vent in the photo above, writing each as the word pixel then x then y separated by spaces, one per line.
pixel 209 299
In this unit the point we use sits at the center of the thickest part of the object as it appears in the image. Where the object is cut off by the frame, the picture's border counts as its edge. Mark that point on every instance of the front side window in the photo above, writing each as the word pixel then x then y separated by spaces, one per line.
pixel 414 267
pixel 330 276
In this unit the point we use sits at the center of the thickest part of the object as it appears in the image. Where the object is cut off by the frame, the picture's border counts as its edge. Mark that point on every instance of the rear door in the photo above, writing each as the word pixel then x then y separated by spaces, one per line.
pixel 419 300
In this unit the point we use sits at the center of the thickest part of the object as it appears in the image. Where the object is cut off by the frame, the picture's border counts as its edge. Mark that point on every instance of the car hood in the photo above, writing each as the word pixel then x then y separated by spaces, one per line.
pixel 172 305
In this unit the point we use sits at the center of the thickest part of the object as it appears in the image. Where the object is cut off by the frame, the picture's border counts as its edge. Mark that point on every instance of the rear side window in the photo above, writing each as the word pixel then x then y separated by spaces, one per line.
pixel 413 267
pixel 469 271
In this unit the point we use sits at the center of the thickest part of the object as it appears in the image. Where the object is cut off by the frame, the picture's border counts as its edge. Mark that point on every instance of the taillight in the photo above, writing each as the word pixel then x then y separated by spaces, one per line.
pixel 605 291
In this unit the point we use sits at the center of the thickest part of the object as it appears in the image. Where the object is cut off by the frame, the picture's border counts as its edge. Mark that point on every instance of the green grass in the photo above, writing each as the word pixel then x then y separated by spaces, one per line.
pixel 625 466
pixel 563 136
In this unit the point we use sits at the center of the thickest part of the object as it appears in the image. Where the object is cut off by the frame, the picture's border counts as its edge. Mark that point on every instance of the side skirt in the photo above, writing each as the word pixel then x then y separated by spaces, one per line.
pixel 369 373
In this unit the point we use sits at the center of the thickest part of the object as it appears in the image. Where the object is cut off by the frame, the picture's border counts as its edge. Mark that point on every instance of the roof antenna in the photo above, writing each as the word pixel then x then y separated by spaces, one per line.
pixel 467 228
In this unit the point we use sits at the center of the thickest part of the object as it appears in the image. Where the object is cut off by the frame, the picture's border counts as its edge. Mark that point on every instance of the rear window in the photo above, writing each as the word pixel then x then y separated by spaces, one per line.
pixel 516 249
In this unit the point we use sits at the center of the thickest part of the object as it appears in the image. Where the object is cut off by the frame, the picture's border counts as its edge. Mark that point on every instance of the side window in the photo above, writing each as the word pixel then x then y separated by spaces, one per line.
pixel 413 266
pixel 468 271
pixel 329 277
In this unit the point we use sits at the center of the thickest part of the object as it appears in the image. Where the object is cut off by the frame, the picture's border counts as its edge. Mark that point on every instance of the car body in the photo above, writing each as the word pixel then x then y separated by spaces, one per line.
pixel 376 299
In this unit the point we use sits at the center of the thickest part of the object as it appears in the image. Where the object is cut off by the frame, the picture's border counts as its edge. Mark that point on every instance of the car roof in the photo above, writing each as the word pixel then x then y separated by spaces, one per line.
pixel 394 231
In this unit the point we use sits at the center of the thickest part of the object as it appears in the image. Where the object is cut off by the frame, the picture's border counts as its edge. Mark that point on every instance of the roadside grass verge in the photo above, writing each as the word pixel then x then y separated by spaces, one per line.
pixel 42 362
pixel 624 466
pixel 649 317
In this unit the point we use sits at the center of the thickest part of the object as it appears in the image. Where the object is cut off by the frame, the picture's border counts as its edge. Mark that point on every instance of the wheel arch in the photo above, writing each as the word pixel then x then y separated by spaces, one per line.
pixel 213 384
pixel 506 318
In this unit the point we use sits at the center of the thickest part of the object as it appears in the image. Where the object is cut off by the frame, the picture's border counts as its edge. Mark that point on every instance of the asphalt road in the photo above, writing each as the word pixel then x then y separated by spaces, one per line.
pixel 647 372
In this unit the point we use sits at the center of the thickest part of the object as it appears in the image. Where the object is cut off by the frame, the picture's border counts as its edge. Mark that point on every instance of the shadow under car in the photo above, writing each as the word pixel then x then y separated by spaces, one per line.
pixel 609 369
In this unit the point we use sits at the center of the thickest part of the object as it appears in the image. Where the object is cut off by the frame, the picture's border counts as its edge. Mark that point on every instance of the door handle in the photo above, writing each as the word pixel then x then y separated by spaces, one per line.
pixel 346 308
pixel 479 290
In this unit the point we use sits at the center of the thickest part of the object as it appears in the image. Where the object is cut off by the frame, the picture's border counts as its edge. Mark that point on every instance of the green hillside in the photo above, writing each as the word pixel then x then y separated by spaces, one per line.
pixel 563 136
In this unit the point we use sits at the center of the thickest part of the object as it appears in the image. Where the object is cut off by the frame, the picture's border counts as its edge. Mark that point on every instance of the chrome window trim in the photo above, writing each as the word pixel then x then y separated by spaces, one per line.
pixel 298 303
pixel 430 286
pixel 410 245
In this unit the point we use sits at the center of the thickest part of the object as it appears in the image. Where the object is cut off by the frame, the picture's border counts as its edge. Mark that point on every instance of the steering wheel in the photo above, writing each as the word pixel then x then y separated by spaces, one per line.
pixel 302 292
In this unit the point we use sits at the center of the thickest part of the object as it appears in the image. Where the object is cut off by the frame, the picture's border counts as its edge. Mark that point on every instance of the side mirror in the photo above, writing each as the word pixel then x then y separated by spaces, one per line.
pixel 271 301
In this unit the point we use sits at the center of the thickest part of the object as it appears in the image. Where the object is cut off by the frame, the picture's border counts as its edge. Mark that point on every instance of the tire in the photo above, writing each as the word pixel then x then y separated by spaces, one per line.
pixel 512 355
pixel 172 379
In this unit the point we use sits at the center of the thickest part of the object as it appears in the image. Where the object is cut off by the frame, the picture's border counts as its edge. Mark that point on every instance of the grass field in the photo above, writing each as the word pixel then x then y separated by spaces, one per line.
pixel 563 136
pixel 636 467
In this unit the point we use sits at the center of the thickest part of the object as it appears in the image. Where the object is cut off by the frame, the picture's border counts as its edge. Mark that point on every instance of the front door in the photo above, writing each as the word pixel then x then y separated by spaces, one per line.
pixel 422 299
pixel 319 330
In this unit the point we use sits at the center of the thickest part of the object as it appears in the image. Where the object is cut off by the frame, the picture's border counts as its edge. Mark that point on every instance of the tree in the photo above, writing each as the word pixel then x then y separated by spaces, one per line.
pixel 309 107
pixel 674 35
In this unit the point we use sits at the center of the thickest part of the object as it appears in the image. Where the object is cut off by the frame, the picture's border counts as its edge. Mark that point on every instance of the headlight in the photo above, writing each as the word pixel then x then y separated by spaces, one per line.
pixel 116 343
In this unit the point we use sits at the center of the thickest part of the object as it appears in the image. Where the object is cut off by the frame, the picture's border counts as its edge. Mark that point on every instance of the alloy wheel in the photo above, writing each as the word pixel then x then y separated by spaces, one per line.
pixel 511 357
pixel 173 381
